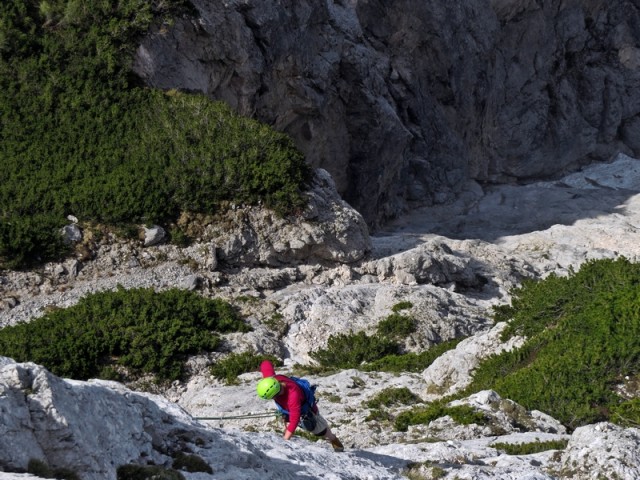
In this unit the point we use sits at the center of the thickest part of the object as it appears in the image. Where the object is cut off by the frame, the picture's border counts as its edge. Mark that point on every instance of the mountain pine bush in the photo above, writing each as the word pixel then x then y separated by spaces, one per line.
pixel 236 364
pixel 583 339
pixel 81 135
pixel 380 351
pixel 140 329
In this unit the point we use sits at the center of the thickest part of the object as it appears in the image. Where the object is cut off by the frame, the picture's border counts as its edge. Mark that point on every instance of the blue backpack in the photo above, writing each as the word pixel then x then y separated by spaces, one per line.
pixel 309 395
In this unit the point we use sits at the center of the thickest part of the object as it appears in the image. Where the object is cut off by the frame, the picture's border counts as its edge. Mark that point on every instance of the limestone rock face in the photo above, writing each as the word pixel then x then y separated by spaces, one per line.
pixel 506 416
pixel 452 371
pixel 403 102
pixel 64 424
pixel 92 428
pixel 607 449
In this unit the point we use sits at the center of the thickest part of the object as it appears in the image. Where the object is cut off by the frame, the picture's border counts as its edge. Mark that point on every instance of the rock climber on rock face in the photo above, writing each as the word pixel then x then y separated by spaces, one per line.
pixel 293 402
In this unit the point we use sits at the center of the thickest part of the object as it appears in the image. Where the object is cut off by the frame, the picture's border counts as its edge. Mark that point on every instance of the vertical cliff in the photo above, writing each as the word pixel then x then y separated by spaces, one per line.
pixel 403 102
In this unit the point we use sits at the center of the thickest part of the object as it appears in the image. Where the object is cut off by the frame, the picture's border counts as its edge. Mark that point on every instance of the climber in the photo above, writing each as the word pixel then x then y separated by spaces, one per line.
pixel 295 404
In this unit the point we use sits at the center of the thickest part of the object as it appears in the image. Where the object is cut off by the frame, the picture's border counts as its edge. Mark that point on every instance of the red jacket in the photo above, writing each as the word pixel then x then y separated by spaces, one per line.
pixel 291 396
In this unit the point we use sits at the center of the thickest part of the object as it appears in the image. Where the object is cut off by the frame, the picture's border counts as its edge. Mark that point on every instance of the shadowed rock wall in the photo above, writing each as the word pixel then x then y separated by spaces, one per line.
pixel 403 102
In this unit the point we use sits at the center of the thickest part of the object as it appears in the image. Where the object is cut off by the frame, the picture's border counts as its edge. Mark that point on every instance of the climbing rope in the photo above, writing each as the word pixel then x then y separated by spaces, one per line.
pixel 248 415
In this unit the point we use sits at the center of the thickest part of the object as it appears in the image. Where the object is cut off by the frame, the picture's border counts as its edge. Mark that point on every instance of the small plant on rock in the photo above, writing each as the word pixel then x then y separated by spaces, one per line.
pixel 411 362
pixel 191 463
pixel 424 471
pixel 41 469
pixel 396 326
pixel 404 305
pixel 627 414
pixel 461 414
pixel 379 352
pixel 393 396
pixel 531 447
pixel 147 472
pixel 352 350
pixel 378 415
pixel 236 364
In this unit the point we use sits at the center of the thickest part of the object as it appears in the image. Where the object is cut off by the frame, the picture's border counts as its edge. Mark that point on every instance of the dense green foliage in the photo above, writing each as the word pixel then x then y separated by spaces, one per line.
pixel 236 364
pixel 80 135
pixel 139 329
pixel 410 362
pixel 351 350
pixel 29 239
pixel 461 414
pixel 393 396
pixel 381 351
pixel 529 448
pixel 626 413
pixel 583 337
pixel 396 326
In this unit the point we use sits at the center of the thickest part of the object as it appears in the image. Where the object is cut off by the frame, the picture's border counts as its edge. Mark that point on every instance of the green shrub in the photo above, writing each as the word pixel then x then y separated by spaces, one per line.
pixel 353 349
pixel 462 414
pixel 65 474
pixel 583 335
pixel 306 435
pixel 277 324
pixel 393 396
pixel 379 352
pixel 529 448
pixel 626 414
pixel 191 463
pixel 437 472
pixel 41 469
pixel 404 305
pixel 30 239
pixel 80 135
pixel 179 237
pixel 432 472
pixel 236 364
pixel 378 415
pixel 396 326
pixel 147 472
pixel 140 329
pixel 410 362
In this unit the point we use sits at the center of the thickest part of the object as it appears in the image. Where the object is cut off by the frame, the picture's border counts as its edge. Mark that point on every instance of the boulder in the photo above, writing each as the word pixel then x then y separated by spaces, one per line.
pixel 71 233
pixel 329 230
pixel 154 235
pixel 452 371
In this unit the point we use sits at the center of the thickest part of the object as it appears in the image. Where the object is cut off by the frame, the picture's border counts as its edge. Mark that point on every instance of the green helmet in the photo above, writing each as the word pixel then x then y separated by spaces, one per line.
pixel 268 388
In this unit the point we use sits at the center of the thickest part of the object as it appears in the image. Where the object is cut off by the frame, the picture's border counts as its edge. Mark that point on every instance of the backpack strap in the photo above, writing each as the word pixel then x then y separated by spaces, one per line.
pixel 309 394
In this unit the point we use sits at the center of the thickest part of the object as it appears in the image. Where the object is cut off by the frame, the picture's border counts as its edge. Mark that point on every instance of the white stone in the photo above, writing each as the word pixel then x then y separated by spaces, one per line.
pixel 71 233
pixel 154 235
